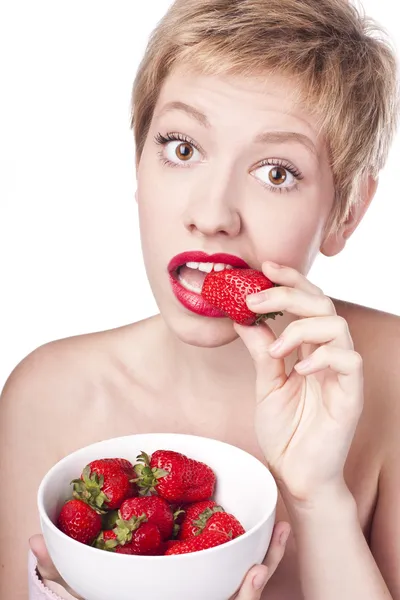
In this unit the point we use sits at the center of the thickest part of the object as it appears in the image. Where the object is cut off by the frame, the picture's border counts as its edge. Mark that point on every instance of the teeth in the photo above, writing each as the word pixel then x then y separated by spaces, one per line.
pixel 208 267
pixel 219 267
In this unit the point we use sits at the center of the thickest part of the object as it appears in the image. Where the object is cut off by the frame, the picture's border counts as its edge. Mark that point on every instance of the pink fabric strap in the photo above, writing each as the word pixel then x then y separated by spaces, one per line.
pixel 37 589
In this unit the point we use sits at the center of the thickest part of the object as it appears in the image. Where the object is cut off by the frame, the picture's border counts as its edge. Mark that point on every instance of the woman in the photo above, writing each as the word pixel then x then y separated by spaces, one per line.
pixel 261 128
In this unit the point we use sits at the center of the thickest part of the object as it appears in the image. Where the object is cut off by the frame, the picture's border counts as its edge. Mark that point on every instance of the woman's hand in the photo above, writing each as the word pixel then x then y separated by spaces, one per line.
pixel 257 578
pixel 305 422
pixel 47 570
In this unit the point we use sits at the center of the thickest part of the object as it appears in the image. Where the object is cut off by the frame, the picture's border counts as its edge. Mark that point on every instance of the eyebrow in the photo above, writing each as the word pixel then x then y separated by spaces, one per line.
pixel 271 137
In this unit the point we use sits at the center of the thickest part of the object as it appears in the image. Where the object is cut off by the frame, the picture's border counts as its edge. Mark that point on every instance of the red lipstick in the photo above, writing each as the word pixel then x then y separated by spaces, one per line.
pixel 197 256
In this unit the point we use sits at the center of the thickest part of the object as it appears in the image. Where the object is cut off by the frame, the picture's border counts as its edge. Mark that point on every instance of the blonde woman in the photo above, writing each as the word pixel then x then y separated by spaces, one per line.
pixel 261 127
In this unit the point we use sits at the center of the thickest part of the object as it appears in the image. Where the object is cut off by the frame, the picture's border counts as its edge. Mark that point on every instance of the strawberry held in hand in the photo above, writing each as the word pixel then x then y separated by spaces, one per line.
pixel 227 291
pixel 174 476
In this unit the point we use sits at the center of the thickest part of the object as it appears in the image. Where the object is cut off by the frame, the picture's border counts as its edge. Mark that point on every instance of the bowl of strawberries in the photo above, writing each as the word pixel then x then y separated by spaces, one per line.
pixel 158 516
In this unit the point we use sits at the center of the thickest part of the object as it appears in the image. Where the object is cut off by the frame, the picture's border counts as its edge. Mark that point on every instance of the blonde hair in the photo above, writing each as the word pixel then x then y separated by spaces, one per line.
pixel 343 61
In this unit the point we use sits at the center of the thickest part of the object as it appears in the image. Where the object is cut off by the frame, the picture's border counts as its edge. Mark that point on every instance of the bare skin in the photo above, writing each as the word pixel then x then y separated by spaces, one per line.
pixel 120 382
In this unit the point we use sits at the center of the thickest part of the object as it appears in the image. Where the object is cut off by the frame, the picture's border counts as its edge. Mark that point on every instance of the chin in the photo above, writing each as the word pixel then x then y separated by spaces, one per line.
pixel 202 332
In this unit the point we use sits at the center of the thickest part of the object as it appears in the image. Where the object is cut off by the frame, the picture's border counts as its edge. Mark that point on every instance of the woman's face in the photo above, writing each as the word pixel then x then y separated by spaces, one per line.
pixel 241 171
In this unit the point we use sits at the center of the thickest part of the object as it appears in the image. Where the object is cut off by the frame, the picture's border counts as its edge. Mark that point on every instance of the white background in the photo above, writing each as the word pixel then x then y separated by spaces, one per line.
pixel 69 240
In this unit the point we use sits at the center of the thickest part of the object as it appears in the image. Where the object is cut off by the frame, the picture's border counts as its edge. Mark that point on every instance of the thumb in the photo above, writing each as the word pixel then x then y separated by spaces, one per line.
pixel 254 583
pixel 271 374
pixel 45 565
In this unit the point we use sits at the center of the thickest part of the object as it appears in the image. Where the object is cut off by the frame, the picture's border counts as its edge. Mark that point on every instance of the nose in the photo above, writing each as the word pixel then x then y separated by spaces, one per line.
pixel 211 208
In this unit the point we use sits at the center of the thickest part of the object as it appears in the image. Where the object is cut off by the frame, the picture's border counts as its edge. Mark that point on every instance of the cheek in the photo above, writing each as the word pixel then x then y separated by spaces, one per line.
pixel 290 237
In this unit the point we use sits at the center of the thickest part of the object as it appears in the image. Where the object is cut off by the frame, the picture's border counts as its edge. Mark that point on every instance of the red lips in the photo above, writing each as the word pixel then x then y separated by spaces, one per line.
pixel 198 256
pixel 192 301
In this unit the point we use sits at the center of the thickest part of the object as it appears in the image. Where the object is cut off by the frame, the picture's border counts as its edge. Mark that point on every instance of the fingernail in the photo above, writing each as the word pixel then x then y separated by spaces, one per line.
pixel 254 299
pixel 276 345
pixel 304 364
pixel 273 264
pixel 259 580
pixel 284 537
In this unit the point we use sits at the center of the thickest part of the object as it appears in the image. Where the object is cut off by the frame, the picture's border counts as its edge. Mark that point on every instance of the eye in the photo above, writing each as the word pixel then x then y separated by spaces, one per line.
pixel 278 175
pixel 177 149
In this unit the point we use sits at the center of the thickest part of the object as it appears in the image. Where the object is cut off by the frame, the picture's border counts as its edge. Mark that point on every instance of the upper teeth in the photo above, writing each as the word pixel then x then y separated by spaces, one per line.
pixel 208 267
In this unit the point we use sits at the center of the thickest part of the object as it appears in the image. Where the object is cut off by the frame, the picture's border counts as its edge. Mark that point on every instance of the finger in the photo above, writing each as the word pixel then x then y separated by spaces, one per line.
pixel 257 578
pixel 294 301
pixel 253 584
pixel 289 277
pixel 45 565
pixel 277 546
pixel 270 372
pixel 348 365
pixel 314 330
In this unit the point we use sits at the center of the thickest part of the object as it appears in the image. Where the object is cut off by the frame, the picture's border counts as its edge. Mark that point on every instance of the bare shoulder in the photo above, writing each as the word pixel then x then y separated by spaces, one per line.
pixel 59 365
pixel 57 380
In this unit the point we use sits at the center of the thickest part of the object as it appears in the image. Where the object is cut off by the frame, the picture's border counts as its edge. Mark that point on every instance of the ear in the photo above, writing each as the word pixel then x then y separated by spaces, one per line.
pixel 336 241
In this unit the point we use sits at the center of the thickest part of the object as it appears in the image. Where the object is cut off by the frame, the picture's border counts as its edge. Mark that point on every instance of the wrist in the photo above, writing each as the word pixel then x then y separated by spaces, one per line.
pixel 330 504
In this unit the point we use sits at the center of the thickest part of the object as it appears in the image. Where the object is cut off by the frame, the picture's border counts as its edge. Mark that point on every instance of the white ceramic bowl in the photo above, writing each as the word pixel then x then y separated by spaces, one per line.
pixel 245 487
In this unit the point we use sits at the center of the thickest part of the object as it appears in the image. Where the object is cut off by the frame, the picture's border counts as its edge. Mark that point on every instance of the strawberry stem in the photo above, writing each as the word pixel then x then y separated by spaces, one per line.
pixel 147 477
pixel 271 315
pixel 89 489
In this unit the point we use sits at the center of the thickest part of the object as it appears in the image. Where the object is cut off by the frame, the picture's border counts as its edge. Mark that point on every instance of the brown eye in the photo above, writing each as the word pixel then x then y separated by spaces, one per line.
pixel 277 175
pixel 184 151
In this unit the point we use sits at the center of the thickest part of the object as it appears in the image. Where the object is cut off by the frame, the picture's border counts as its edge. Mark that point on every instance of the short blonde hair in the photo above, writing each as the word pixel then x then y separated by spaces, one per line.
pixel 343 61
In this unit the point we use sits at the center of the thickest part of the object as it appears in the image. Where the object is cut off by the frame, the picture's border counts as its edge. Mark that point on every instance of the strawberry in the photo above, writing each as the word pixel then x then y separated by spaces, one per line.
pixel 79 521
pixel 227 290
pixel 207 539
pixel 156 509
pixel 189 526
pixel 145 540
pixel 167 545
pixel 174 476
pixel 120 535
pixel 220 521
pixel 105 483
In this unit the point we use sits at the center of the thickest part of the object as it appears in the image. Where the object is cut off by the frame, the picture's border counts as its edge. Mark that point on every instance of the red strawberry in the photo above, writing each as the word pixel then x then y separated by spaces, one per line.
pixel 168 544
pixel 121 535
pixel 79 521
pixel 156 509
pixel 227 290
pixel 174 476
pixel 189 526
pixel 105 483
pixel 207 539
pixel 221 521
pixel 145 540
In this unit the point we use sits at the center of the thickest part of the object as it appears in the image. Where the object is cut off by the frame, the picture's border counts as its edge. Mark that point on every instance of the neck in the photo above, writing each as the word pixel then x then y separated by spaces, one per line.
pixel 203 368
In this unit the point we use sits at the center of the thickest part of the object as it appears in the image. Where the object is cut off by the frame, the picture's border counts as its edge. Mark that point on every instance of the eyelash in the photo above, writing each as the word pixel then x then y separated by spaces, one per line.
pixel 179 137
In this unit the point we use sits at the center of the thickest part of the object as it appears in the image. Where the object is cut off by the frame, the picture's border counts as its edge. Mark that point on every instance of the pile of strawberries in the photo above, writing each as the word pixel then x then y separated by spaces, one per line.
pixel 162 505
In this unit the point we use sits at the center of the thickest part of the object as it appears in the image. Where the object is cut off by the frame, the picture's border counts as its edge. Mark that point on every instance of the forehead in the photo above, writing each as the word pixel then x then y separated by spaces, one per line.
pixel 270 101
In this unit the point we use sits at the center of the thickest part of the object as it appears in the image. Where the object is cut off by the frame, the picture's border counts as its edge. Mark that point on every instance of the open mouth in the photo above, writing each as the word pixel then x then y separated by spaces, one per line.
pixel 188 271
pixel 191 275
